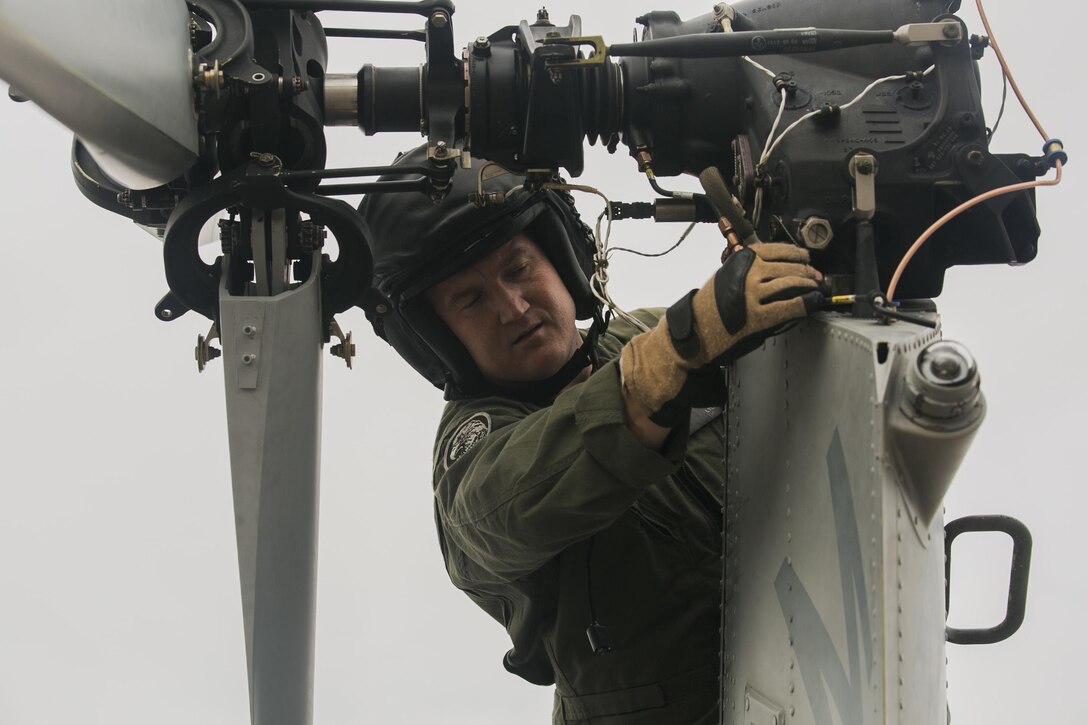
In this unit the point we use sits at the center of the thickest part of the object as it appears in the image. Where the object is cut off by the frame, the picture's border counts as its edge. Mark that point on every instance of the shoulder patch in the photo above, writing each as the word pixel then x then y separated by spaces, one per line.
pixel 467 435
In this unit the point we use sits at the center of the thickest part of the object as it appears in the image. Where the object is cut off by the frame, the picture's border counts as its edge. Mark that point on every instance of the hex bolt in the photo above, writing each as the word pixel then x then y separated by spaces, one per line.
pixel 816 232
pixel 249 358
pixel 440 19
pixel 542 15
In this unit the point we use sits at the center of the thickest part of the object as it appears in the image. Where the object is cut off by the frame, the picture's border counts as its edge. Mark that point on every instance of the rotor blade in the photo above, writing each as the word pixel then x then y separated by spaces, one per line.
pixel 116 72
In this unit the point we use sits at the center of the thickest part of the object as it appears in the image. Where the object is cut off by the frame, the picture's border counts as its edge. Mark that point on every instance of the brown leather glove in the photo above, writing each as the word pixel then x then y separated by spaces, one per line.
pixel 671 368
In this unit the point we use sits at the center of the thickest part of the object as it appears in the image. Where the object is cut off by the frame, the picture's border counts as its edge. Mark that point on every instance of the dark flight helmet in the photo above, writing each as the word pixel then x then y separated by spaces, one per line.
pixel 417 243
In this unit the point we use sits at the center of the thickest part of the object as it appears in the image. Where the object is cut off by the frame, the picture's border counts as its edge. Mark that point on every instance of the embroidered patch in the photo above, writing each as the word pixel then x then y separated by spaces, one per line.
pixel 467 435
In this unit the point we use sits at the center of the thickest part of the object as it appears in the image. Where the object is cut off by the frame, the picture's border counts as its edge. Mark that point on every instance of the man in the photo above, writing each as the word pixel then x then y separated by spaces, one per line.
pixel 578 500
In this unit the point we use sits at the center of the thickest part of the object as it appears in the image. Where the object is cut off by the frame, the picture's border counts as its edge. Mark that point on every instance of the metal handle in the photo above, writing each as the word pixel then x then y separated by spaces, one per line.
pixel 1018 576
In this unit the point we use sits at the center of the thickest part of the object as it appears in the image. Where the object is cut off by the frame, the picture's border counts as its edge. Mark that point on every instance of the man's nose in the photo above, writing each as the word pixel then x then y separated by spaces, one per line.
pixel 511 304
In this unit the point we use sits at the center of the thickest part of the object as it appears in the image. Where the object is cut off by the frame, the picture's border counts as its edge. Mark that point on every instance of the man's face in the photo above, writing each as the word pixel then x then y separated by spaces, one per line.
pixel 512 313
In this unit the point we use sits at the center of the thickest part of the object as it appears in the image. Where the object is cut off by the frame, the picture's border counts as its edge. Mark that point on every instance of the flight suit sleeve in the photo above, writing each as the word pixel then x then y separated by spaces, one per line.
pixel 514 488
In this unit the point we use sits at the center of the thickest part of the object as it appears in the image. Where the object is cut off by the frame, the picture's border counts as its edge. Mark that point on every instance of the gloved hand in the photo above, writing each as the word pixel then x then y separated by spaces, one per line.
pixel 676 365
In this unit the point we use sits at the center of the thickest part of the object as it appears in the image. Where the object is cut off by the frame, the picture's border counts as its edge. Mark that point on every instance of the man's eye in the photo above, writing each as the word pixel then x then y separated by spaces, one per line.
pixel 470 302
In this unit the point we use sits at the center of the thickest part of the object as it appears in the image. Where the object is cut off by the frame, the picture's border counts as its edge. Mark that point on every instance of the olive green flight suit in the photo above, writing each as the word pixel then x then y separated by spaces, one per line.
pixel 552 517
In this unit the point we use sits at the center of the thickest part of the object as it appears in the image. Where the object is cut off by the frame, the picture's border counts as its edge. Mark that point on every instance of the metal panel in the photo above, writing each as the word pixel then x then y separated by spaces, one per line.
pixel 833 591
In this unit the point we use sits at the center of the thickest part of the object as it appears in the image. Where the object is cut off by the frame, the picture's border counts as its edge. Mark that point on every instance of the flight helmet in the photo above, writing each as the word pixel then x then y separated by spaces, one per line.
pixel 417 242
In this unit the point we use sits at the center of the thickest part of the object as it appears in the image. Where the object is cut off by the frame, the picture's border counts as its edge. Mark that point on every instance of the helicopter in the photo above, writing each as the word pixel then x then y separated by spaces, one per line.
pixel 143 518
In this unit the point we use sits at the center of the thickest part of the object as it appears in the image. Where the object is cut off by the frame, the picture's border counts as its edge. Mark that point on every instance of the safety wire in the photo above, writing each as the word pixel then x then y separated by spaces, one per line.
pixel 599 283
pixel 1051 147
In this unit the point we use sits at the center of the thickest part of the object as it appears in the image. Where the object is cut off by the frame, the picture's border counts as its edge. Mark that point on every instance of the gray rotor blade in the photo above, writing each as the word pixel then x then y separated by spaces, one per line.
pixel 116 72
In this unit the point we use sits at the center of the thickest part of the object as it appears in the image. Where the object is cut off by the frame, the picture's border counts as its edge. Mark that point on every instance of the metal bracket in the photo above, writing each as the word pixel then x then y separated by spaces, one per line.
pixel 947 31
pixel 600 51
pixel 205 353
pixel 346 348
pixel 863 170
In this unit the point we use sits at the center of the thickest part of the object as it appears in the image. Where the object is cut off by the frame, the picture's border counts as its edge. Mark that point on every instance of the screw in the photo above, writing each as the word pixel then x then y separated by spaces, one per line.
pixel 482 42
pixel 249 330
pixel 166 313
pixel 440 19
pixel 951 30
pixel 249 358
pixel 266 159
pixel 542 15
pixel 381 309
pixel 864 166
pixel 975 157
pixel 440 150
pixel 719 8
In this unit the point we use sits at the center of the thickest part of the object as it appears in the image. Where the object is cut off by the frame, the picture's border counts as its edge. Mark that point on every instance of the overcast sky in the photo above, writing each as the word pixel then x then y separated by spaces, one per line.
pixel 120 600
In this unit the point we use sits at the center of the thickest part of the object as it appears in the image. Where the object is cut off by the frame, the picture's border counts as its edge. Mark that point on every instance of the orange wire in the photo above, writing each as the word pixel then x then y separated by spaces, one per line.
pixel 993 192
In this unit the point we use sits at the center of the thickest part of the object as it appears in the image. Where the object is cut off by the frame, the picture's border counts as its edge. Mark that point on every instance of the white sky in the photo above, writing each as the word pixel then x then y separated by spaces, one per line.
pixel 120 598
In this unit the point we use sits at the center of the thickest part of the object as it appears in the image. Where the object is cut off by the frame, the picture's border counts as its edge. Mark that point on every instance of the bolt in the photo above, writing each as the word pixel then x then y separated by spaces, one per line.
pixel 440 150
pixel 975 157
pixel 249 358
pixel 542 15
pixel 951 30
pixel 482 42
pixel 166 313
pixel 440 19
pixel 719 8
pixel 298 84
pixel 864 166
pixel 381 309
pixel 249 330
pixel 266 159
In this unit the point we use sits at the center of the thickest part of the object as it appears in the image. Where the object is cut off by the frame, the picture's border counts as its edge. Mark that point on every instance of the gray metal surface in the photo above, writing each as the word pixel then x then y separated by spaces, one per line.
pixel 116 72
pixel 272 364
pixel 834 583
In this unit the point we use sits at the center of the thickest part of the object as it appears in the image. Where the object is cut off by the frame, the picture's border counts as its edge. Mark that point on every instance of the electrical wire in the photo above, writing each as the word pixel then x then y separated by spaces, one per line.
pixel 1001 110
pixel 1012 188
pixel 680 241
pixel 1005 69
pixel 599 282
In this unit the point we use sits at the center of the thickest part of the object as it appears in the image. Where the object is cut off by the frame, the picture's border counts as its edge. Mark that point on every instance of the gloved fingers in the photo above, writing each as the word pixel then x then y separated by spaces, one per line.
pixel 784 288
pixel 767 271
pixel 775 313
pixel 780 252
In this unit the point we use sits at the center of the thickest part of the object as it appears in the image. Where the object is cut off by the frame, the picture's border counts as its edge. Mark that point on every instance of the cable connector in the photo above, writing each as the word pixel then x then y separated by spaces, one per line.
pixel 1054 151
